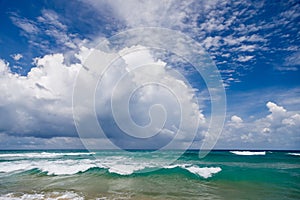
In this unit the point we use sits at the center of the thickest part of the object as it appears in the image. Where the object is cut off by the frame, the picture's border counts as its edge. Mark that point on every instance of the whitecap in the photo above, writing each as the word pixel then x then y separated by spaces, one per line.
pixel 125 169
pixel 249 153
pixel 173 166
pixel 57 167
pixel 205 172
pixel 294 154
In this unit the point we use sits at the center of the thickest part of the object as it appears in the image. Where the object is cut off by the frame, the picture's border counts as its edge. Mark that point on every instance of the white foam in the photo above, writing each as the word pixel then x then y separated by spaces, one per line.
pixel 294 154
pixel 125 169
pixel 58 167
pixel 115 164
pixel 173 166
pixel 249 153
pixel 67 167
pixel 15 166
pixel 205 172
pixel 48 196
pixel 122 165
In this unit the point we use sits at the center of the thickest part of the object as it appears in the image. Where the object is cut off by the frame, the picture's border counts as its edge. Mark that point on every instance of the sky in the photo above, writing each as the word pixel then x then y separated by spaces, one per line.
pixel 46 46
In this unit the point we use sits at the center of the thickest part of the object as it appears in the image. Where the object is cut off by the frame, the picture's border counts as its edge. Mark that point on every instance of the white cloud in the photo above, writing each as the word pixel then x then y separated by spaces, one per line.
pixel 151 83
pixel 39 105
pixel 274 109
pixel 236 119
pixel 279 130
pixel 222 27
pixel 293 59
pixel 51 17
pixel 244 58
pixel 28 26
pixel 48 24
pixel 17 56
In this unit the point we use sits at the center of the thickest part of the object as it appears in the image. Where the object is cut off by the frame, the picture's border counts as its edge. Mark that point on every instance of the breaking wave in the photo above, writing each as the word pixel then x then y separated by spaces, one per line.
pixel 249 153
pixel 294 154
pixel 70 167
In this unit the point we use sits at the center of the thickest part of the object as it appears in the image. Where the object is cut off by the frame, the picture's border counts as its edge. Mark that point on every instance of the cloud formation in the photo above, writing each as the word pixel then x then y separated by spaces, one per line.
pixel 237 34
pixel 277 130
pixel 39 105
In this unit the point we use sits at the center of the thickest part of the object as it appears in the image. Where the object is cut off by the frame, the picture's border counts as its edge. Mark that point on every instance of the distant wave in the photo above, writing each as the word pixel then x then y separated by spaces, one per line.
pixel 249 153
pixel 294 154
pixel 45 154
pixel 70 167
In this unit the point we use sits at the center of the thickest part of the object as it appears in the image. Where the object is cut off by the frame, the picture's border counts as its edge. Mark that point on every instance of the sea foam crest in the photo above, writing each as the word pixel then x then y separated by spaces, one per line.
pixel 57 167
pixel 113 165
pixel 125 169
pixel 294 154
pixel 205 172
pixel 249 153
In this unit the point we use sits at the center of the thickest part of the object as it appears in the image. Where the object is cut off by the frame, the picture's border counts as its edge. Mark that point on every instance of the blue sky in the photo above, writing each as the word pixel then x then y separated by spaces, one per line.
pixel 255 46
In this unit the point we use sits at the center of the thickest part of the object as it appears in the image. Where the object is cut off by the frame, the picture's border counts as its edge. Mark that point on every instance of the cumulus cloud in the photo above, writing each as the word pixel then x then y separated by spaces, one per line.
pixel 157 95
pixel 275 109
pixel 278 129
pixel 236 119
pixel 39 105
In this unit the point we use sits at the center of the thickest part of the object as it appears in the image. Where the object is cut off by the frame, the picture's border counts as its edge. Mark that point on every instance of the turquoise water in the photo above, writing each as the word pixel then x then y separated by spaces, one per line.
pixel 146 175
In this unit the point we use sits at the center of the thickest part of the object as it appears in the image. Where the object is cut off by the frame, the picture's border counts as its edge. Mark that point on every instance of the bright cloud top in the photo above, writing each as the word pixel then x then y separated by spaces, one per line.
pixel 276 130
pixel 40 105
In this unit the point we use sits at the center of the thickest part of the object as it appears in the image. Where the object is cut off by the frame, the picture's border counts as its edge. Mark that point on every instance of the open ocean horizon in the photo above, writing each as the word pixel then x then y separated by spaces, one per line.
pixel 140 174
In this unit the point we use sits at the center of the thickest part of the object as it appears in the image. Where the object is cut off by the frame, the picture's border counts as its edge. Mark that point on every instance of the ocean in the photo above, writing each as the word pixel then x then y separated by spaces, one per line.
pixel 113 174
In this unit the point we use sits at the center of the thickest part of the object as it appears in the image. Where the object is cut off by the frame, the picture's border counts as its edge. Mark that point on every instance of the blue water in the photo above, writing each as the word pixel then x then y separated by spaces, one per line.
pixel 147 175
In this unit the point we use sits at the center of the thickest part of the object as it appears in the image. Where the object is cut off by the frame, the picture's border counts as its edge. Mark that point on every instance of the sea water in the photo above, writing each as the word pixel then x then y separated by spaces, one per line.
pixel 146 175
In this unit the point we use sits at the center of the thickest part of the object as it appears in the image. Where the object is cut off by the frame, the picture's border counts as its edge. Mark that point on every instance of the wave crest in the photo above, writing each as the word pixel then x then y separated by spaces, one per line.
pixel 70 167
pixel 249 153
pixel 294 154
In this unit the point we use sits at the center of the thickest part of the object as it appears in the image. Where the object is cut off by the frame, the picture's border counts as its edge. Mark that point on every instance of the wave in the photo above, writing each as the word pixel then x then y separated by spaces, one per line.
pixel 294 154
pixel 70 167
pixel 49 195
pixel 44 154
pixel 205 172
pixel 249 153
pixel 125 169
pixel 57 167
